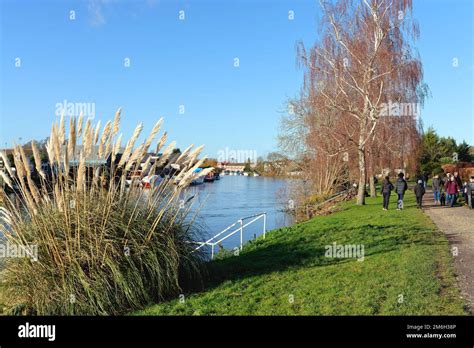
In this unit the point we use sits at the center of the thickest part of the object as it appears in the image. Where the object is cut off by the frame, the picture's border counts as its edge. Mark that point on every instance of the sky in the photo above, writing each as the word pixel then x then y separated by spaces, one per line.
pixel 220 75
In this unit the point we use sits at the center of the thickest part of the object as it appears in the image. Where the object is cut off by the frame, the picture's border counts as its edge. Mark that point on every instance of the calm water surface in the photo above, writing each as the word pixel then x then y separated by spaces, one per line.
pixel 225 201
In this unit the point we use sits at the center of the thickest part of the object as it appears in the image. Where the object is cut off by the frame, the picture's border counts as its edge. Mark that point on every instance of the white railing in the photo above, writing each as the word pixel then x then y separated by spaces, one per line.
pixel 212 242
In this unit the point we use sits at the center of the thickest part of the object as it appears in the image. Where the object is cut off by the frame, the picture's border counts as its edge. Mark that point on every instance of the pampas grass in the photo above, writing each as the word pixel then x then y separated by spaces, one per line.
pixel 102 248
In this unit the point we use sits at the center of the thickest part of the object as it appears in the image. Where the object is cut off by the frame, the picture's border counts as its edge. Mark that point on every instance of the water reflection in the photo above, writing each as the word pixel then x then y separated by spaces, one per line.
pixel 222 202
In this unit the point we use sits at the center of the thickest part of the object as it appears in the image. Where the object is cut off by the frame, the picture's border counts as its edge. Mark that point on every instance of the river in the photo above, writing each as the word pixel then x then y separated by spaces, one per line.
pixel 223 202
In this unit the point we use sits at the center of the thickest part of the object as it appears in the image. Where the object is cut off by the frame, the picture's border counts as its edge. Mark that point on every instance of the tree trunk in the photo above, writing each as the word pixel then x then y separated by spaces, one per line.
pixel 362 179
pixel 373 191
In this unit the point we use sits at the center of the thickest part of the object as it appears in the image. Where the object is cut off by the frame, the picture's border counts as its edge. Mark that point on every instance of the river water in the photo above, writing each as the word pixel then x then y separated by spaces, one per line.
pixel 223 202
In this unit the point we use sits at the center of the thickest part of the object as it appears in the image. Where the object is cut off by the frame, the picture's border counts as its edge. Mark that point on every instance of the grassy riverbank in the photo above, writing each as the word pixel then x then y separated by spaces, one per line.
pixel 407 270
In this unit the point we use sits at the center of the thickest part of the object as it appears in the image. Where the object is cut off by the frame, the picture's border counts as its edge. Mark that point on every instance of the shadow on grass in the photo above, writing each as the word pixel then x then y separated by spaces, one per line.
pixel 264 257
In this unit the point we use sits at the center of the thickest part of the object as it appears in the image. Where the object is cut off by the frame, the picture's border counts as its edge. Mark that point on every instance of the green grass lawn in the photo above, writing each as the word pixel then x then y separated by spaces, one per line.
pixel 407 270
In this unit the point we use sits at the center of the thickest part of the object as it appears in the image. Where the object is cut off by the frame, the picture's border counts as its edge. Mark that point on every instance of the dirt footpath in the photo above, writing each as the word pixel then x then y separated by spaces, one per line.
pixel 458 225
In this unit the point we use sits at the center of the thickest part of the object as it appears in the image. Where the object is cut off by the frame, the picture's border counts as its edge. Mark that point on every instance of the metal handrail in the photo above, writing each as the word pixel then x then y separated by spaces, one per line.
pixel 212 244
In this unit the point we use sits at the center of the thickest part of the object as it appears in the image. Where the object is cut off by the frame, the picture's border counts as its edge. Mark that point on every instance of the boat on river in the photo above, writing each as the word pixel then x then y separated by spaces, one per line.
pixel 209 177
pixel 199 179
pixel 151 181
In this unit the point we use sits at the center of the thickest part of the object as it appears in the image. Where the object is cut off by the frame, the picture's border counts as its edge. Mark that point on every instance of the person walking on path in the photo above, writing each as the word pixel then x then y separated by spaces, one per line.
pixel 445 184
pixel 451 191
pixel 469 191
pixel 387 188
pixel 436 185
pixel 464 192
pixel 458 180
pixel 418 176
pixel 419 192
pixel 400 187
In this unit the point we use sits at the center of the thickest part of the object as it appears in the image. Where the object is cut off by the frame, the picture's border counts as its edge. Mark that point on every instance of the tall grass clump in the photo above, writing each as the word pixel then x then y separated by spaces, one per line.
pixel 98 245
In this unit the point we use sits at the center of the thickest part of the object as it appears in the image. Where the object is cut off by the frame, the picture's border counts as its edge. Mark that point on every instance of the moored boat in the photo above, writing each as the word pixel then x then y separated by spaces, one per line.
pixel 209 177
pixel 199 179
pixel 151 181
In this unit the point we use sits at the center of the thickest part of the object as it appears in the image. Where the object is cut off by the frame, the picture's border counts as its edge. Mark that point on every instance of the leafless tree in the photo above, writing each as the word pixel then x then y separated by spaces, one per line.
pixel 363 61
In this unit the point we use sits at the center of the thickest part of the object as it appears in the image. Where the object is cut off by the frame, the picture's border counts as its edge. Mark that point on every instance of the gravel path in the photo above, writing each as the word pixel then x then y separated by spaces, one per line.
pixel 458 225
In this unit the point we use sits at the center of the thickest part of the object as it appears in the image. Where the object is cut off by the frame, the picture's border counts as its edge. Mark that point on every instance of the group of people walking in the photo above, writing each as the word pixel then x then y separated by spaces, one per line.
pixel 445 191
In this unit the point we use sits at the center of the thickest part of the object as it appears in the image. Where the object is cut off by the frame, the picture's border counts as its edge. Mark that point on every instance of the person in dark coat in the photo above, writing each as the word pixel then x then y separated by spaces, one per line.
pixel 464 192
pixel 470 191
pixel 400 188
pixel 418 176
pixel 387 188
pixel 459 185
pixel 419 192
pixel 458 180
pixel 442 199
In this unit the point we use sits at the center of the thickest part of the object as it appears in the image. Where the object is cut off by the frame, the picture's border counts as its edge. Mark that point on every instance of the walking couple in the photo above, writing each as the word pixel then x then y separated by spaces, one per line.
pixel 400 188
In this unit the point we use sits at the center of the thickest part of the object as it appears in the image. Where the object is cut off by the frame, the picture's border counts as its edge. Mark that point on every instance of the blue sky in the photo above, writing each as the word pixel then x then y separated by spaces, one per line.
pixel 190 62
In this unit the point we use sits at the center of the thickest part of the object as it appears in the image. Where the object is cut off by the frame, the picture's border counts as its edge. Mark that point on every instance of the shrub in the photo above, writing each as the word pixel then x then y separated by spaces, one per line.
pixel 103 247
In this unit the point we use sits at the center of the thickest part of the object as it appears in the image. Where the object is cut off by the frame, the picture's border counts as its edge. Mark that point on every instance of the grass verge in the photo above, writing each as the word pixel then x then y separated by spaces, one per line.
pixel 407 270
